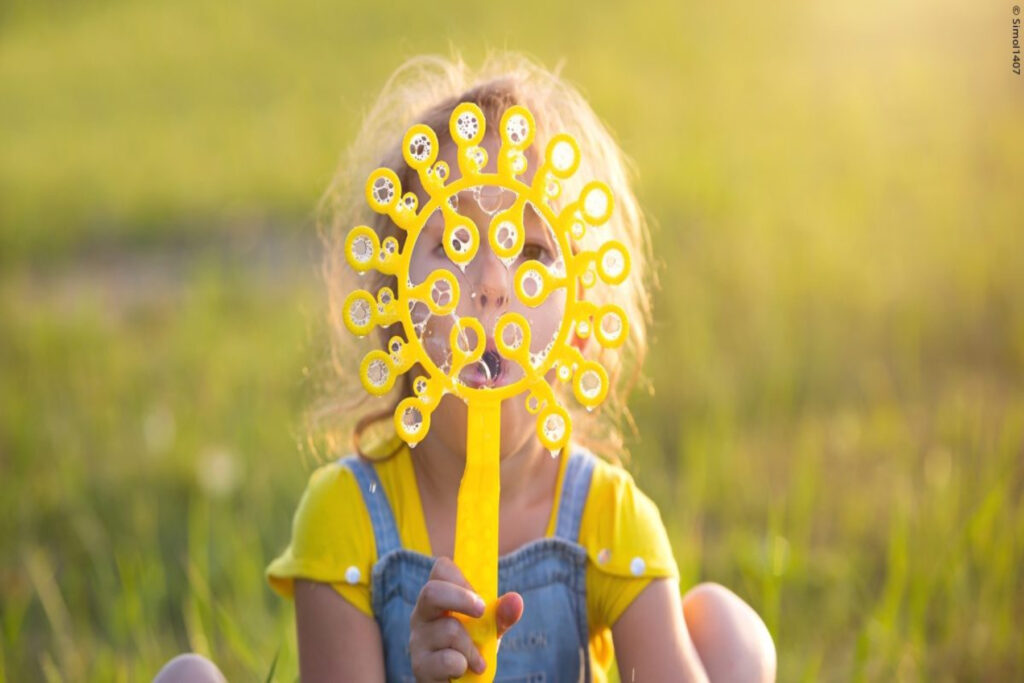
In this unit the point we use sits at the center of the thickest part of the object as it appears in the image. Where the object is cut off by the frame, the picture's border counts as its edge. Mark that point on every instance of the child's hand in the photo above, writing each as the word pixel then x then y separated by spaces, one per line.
pixel 439 646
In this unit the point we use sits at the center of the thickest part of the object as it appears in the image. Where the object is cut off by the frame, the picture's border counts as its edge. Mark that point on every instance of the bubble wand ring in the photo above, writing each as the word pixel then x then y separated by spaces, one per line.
pixel 476 535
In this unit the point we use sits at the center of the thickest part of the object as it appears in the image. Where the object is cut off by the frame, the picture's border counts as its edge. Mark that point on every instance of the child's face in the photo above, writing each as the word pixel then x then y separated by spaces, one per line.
pixel 486 293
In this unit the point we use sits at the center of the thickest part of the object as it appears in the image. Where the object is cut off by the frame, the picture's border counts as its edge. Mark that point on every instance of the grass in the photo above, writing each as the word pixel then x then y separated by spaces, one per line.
pixel 837 422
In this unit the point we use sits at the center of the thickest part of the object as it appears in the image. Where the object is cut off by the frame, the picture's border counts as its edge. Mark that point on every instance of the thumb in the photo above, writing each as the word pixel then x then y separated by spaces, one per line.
pixel 508 611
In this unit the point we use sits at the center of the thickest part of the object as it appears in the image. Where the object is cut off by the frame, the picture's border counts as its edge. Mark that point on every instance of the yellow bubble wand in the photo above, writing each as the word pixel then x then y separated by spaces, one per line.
pixel 476 532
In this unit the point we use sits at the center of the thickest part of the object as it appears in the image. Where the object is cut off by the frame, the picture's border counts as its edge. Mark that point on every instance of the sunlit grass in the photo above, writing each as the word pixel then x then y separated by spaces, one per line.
pixel 837 422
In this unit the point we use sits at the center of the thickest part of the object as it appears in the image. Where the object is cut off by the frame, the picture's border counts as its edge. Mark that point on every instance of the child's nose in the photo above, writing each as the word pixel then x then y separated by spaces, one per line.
pixel 490 281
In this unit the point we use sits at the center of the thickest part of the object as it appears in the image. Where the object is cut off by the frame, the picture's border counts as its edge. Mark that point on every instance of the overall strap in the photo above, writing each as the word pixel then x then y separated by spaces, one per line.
pixel 575 486
pixel 385 531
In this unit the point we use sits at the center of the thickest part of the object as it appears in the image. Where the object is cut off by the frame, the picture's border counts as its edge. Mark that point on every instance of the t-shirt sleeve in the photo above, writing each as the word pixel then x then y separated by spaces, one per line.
pixel 332 539
pixel 626 543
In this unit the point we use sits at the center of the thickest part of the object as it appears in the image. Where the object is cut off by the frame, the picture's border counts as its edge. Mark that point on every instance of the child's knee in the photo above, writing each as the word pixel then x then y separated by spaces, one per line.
pixel 729 635
pixel 190 667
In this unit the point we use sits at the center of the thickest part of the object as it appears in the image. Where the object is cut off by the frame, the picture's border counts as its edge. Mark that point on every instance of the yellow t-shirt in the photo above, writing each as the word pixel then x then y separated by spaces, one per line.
pixel 332 540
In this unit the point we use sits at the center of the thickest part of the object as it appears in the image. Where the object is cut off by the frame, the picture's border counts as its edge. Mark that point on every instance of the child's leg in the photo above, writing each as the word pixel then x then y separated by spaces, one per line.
pixel 732 641
pixel 190 667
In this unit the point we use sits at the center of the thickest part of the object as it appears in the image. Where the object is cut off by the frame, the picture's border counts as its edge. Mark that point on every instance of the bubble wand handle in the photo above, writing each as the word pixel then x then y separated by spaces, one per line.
pixel 476 524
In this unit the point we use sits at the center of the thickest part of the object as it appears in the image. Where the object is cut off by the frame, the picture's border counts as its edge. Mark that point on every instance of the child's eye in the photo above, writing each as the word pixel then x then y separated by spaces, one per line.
pixel 534 252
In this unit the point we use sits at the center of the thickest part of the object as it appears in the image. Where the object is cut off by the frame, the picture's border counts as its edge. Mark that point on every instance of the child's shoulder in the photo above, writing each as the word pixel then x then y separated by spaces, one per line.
pixel 331 512
pixel 330 485
pixel 338 478
pixel 621 528
pixel 611 483
pixel 607 473
pixel 332 539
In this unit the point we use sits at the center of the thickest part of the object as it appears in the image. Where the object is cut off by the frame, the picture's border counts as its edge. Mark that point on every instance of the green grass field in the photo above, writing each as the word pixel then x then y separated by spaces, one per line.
pixel 836 429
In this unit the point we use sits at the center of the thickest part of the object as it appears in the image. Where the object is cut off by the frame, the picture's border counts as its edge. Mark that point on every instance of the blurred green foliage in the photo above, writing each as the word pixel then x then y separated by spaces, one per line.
pixel 837 424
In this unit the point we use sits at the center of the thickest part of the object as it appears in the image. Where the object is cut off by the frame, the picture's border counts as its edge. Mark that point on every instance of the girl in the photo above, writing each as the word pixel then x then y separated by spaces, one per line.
pixel 586 565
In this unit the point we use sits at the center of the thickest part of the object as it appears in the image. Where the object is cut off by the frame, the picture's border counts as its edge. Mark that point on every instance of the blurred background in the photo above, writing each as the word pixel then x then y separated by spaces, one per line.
pixel 836 429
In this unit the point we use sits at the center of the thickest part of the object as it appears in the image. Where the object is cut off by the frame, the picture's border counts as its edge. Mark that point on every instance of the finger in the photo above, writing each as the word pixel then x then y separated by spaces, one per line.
pixel 508 611
pixel 437 598
pixel 440 665
pixel 449 633
pixel 446 570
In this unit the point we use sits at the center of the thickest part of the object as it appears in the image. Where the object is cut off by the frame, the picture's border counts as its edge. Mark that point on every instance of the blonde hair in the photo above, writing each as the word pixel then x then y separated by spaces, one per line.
pixel 425 90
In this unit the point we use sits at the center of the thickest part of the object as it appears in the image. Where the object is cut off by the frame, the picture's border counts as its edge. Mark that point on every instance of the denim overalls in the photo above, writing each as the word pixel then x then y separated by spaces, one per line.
pixel 550 642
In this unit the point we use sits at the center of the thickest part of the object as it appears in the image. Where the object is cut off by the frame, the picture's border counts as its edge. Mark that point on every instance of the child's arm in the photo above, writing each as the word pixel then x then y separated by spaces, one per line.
pixel 337 642
pixel 651 639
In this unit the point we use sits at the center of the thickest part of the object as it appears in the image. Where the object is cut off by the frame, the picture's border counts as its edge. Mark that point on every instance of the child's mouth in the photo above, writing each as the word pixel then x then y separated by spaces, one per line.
pixel 490 371
pixel 492 362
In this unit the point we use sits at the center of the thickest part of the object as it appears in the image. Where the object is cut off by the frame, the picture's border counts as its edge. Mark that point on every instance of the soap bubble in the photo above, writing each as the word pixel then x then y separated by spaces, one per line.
pixel 563 156
pixel 412 419
pixel 362 249
pixel 590 384
pixel 359 312
pixel 467 125
pixel 378 372
pixel 554 427
pixel 517 129
pixel 420 147
pixel 383 190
